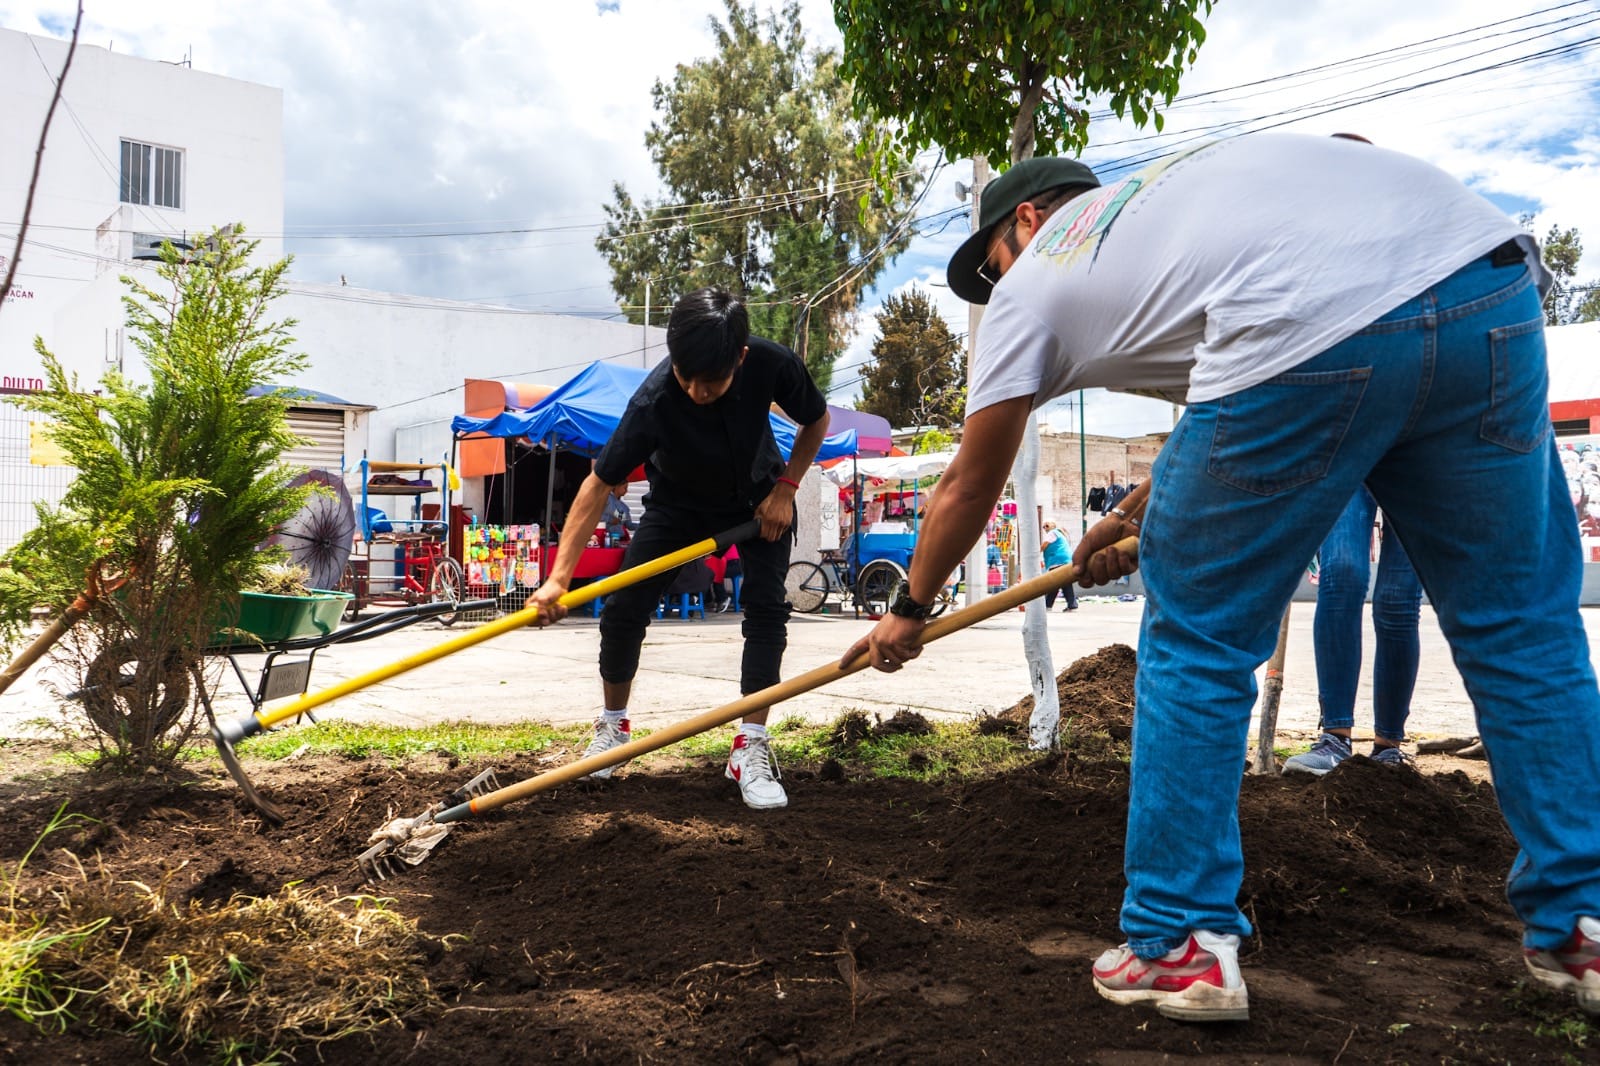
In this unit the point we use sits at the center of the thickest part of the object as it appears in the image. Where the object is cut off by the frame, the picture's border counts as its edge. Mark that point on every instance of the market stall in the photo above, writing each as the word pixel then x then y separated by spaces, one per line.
pixel 570 426
pixel 883 501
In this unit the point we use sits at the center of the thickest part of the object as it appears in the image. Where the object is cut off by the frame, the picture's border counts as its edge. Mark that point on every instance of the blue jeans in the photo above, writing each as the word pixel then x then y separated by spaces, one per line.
pixel 1440 407
pixel 1345 564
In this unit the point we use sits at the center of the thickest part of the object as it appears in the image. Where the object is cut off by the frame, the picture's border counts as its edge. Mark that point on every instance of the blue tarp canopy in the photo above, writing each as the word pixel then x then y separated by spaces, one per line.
pixel 583 414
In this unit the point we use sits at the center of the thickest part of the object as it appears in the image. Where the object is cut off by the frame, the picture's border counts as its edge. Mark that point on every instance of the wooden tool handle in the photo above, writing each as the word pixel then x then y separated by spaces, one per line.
pixel 756 701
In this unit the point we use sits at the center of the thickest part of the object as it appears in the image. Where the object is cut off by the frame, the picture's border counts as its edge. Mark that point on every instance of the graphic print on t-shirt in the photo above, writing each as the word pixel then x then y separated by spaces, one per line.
pixel 1084 222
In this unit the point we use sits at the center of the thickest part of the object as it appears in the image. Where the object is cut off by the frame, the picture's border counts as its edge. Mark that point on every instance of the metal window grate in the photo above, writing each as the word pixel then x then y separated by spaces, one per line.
pixel 151 175
pixel 21 482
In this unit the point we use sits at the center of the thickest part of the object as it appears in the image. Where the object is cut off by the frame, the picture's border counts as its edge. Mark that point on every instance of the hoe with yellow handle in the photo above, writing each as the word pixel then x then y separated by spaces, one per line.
pixel 407 841
pixel 229 731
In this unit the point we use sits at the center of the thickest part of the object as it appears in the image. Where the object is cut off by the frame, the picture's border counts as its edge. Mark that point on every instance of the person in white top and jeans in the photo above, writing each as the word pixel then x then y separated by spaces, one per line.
pixel 1332 313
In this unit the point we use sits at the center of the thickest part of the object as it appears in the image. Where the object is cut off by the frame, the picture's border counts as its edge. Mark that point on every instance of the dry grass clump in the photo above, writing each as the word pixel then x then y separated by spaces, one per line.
pixel 28 988
pixel 253 976
pixel 283 579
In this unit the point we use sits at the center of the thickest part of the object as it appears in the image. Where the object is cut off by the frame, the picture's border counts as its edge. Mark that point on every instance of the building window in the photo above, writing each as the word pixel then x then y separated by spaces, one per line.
pixel 152 175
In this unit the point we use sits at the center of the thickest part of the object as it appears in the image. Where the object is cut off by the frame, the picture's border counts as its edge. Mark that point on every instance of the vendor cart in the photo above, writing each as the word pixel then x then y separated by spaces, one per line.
pixel 404 560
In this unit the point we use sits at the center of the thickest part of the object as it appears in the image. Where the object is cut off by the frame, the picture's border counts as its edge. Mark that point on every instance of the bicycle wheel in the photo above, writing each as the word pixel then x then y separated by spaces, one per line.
pixel 876 586
pixel 942 602
pixel 806 587
pixel 448 584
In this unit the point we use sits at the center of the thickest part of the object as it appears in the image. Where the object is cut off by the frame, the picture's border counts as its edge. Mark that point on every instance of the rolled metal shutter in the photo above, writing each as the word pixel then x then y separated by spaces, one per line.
pixel 322 438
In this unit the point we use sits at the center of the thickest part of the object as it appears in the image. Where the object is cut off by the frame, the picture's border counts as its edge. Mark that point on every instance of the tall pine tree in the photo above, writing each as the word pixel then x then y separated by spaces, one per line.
pixel 769 190
pixel 918 374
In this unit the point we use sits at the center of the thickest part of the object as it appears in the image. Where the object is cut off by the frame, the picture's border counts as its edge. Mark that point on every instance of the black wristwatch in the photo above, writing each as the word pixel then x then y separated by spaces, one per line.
pixel 905 607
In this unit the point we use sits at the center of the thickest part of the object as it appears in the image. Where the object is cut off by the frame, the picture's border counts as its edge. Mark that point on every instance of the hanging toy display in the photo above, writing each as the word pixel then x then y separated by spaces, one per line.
pixel 501 558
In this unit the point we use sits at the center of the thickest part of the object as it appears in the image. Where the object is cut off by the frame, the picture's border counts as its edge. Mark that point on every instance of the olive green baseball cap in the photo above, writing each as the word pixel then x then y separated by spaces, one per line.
pixel 1021 183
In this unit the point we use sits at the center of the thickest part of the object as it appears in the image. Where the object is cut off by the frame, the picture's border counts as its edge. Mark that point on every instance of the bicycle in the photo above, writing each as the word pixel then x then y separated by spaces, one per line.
pixel 810 585
pixel 426 574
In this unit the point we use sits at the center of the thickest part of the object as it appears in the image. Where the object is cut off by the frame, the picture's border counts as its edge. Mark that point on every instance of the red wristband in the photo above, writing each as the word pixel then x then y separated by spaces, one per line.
pixel 791 482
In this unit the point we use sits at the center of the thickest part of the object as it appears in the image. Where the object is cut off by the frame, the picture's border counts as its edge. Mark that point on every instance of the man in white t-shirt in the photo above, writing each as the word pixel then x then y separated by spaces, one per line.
pixel 1333 313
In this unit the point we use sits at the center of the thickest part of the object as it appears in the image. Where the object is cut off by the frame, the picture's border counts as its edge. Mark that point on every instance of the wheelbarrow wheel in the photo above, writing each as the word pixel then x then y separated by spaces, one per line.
pixel 876 585
pixel 353 579
pixel 447 585
pixel 114 692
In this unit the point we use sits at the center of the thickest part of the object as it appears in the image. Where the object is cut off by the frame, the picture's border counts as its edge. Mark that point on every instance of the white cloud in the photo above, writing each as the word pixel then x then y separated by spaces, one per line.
pixel 517 118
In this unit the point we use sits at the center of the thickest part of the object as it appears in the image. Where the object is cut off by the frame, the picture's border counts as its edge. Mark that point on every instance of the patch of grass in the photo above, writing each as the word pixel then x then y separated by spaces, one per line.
pixel 247 981
pixel 358 740
pixel 1554 1014
pixel 945 749
pixel 30 989
pixel 957 749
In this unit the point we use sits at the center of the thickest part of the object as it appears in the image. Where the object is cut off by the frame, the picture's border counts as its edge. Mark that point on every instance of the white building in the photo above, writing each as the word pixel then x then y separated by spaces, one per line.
pixel 138 151
pixel 141 151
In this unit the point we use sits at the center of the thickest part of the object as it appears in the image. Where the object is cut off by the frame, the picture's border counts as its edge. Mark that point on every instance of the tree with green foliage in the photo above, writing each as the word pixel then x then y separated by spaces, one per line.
pixel 998 79
pixel 918 373
pixel 1569 301
pixel 178 481
pixel 769 190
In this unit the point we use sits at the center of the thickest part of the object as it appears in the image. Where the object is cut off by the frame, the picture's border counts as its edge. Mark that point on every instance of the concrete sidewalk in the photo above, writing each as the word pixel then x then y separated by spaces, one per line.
pixel 689 667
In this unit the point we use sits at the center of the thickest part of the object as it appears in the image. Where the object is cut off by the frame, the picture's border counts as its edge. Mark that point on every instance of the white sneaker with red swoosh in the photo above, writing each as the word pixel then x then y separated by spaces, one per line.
pixel 751 764
pixel 1574 965
pixel 1198 981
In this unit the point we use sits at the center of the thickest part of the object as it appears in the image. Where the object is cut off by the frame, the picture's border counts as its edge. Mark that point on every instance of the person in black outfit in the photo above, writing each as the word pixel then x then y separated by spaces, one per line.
pixel 700 426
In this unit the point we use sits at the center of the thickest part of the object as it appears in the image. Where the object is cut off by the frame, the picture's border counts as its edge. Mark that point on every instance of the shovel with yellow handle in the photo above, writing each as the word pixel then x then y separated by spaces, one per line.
pixel 229 731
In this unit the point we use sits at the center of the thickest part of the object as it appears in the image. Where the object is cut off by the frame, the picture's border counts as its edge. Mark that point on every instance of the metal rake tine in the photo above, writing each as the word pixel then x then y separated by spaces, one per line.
pixel 481 785
pixel 378 863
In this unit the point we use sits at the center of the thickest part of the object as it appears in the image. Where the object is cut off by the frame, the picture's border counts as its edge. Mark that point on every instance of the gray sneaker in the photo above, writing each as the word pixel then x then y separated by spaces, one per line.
pixel 1390 756
pixel 1329 751
pixel 606 737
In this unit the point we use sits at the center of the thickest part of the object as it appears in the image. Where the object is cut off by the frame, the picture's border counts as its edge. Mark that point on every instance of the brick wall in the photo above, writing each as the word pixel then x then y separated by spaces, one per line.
pixel 1064 463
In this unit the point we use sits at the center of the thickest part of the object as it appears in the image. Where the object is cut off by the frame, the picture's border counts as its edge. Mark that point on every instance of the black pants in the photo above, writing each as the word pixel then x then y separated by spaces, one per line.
pixel 627 612
pixel 1070 593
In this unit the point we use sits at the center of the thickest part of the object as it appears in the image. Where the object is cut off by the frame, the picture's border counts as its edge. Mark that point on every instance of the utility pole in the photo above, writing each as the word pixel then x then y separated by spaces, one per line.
pixel 978 557
pixel 644 343
pixel 802 325
pixel 1083 471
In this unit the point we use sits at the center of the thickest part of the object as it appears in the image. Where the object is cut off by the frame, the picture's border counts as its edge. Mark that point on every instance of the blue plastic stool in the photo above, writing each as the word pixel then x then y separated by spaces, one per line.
pixel 683 603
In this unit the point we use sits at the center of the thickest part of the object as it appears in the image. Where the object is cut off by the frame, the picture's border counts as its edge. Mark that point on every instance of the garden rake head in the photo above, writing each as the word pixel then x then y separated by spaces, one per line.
pixel 402 842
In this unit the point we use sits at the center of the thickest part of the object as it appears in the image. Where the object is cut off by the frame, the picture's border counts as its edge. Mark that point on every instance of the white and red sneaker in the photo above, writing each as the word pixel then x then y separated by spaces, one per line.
pixel 1574 965
pixel 751 764
pixel 1198 981
pixel 606 737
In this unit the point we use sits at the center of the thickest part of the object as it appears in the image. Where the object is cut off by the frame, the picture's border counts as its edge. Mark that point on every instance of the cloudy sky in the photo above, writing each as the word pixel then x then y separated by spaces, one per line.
pixel 502 125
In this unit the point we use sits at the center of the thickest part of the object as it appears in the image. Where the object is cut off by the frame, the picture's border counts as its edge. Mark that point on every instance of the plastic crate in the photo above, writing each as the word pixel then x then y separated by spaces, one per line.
pixel 270 618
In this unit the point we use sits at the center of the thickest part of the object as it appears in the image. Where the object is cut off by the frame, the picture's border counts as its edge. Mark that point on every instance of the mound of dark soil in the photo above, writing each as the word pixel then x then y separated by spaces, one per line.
pixel 655 919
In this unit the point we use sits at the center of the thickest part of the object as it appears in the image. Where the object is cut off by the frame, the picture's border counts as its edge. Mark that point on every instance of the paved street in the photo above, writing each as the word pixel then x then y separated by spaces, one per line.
pixel 689 667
